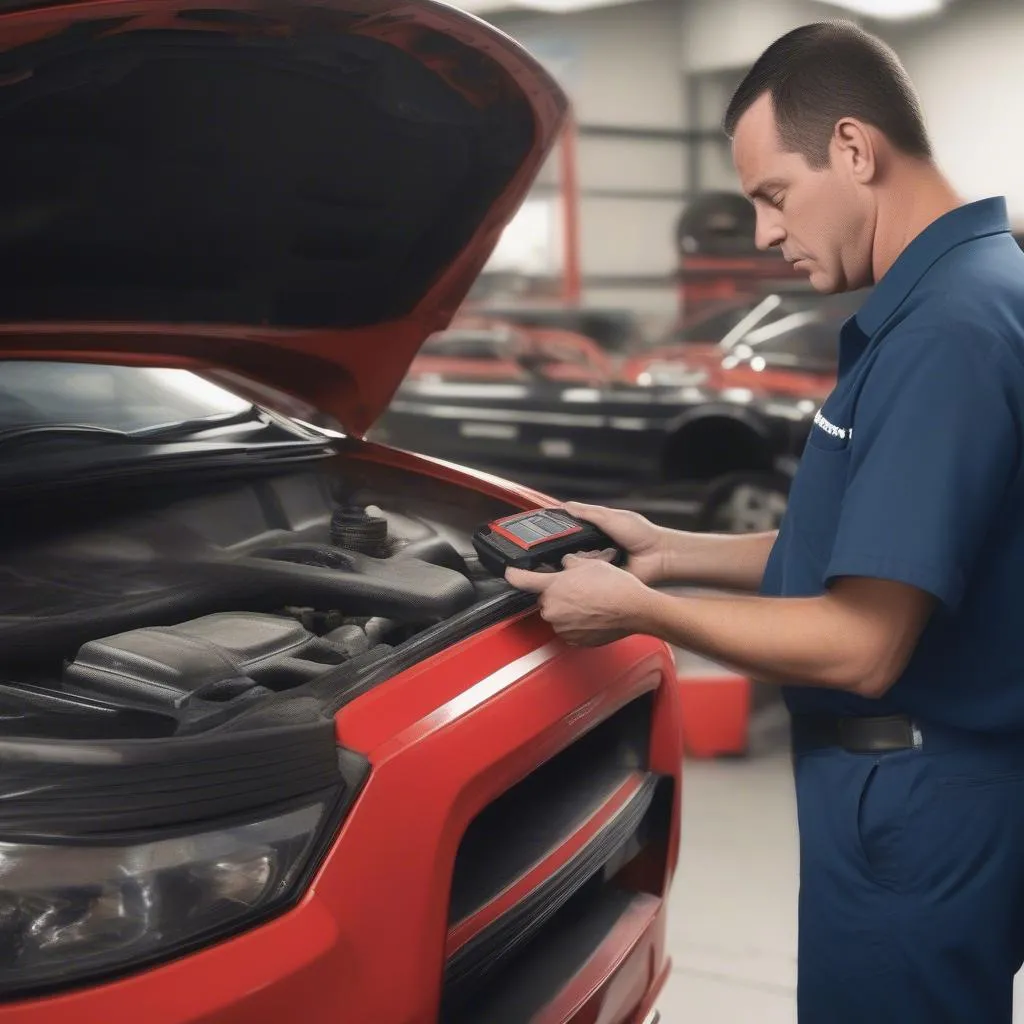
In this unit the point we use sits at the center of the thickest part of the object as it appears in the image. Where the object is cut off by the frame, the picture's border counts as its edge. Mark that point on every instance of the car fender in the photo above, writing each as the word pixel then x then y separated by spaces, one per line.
pixel 750 418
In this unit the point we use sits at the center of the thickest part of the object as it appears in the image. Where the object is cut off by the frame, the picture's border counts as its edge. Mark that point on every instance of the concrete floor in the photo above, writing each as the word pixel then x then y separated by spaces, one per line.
pixel 732 933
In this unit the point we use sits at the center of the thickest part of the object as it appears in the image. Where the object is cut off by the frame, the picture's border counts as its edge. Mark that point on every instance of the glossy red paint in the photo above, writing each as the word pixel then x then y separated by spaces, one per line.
pixel 350 374
pixel 444 738
pixel 522 354
pixel 617 984
pixel 466 930
pixel 367 941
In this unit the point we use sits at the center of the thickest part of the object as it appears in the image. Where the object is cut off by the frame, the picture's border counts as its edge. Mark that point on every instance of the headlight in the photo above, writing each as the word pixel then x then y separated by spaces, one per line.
pixel 73 909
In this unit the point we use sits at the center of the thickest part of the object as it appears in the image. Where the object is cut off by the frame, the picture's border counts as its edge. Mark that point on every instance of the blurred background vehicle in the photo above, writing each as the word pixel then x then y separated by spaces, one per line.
pixel 698 429
pixel 717 355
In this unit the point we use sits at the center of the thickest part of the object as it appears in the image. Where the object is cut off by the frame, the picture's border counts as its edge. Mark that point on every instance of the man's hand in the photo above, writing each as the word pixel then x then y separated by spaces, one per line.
pixel 589 603
pixel 658 554
pixel 642 540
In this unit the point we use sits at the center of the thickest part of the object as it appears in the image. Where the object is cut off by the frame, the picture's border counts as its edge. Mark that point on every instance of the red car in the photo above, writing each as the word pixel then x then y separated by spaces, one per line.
pixel 780 343
pixel 477 349
pixel 276 746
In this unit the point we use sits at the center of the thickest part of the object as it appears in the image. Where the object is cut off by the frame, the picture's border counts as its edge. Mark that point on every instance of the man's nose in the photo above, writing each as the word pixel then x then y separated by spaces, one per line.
pixel 769 232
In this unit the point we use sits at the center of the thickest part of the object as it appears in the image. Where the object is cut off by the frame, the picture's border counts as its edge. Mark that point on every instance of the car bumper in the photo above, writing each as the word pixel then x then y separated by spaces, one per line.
pixel 368 940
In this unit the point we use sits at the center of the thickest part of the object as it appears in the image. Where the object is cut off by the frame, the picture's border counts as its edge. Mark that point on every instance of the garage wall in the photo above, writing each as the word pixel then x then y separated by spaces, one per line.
pixel 619 64
pixel 720 39
pixel 719 34
pixel 633 66
pixel 621 69
pixel 666 67
pixel 967 67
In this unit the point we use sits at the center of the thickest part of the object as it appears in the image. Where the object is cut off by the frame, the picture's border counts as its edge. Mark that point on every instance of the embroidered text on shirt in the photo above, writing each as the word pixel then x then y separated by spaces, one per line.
pixel 830 428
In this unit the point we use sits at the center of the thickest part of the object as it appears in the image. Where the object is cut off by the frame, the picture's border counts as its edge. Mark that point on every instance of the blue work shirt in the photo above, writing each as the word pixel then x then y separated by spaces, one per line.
pixel 913 472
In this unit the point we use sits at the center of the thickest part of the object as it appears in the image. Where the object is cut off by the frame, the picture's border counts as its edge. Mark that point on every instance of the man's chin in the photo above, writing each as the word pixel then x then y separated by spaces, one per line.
pixel 824 284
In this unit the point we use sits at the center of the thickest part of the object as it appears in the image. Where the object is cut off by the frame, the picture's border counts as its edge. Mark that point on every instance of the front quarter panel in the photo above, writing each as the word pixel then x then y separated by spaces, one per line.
pixel 367 941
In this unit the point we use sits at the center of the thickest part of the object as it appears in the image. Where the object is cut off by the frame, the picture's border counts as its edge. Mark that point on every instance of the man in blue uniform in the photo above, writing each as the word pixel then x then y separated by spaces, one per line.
pixel 889 604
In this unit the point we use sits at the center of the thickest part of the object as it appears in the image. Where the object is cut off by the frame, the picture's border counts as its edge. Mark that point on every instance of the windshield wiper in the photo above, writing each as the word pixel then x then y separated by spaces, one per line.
pixel 177 430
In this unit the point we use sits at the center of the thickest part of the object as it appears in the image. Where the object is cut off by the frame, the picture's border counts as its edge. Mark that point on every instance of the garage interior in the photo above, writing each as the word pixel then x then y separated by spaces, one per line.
pixel 635 212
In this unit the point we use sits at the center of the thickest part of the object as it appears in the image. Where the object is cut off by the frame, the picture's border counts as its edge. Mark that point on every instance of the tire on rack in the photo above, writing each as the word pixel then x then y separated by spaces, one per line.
pixel 744 502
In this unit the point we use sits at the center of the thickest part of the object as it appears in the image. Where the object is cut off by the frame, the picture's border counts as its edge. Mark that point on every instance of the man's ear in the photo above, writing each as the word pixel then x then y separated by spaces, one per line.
pixel 855 146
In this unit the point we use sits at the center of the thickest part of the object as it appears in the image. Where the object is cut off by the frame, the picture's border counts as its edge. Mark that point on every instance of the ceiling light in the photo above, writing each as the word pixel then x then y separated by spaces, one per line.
pixel 890 10
pixel 483 7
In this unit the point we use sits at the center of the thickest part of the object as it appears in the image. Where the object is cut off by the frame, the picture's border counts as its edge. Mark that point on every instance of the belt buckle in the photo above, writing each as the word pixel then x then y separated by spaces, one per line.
pixel 854 742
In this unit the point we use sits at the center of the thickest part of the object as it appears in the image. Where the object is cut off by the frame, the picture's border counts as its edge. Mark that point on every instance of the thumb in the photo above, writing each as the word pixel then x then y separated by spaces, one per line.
pixel 532 582
pixel 596 514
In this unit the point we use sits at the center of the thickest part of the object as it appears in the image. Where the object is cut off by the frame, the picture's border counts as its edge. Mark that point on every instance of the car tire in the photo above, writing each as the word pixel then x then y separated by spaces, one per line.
pixel 744 503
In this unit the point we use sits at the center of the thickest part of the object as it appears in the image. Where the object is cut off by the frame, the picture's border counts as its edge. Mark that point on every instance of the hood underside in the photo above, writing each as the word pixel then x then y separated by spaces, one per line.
pixel 299 193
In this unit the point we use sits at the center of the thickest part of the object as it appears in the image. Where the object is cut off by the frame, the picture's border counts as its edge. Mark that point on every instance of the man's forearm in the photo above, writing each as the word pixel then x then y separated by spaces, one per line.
pixel 796 641
pixel 722 561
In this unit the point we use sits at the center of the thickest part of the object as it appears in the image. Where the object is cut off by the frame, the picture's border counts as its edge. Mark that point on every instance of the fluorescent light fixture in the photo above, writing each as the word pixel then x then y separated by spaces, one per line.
pixel 890 10
pixel 483 7
pixel 887 10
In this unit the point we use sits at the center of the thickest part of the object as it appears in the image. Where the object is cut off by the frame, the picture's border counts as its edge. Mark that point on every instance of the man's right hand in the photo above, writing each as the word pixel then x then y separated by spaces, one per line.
pixel 658 554
pixel 644 542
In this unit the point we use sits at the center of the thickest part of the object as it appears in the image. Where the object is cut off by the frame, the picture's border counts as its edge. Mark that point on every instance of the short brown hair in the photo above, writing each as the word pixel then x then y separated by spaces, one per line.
pixel 820 73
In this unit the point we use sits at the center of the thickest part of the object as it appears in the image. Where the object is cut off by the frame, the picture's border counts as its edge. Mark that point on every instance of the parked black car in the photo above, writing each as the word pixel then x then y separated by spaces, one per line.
pixel 709 442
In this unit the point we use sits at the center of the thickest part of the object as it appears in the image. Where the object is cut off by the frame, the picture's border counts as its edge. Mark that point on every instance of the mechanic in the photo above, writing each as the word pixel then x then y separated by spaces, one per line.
pixel 889 606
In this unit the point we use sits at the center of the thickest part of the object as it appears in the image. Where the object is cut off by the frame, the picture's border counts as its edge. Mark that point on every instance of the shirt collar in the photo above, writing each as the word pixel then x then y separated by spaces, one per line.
pixel 973 220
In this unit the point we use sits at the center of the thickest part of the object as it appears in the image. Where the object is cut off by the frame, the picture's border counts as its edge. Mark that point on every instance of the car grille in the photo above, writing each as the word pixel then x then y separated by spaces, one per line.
pixel 546 871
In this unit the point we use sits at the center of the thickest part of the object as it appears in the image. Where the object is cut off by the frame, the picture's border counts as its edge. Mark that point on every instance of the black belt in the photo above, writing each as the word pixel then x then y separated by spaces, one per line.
pixel 854 734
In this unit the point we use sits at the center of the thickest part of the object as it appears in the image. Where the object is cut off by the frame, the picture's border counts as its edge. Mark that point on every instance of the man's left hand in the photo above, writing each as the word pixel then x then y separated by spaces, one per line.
pixel 590 602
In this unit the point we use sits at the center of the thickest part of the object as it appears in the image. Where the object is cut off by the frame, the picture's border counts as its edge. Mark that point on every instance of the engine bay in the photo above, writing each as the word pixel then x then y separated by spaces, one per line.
pixel 141 614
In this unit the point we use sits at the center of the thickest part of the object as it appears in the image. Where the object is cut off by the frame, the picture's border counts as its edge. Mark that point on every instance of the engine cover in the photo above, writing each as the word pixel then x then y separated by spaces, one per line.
pixel 214 658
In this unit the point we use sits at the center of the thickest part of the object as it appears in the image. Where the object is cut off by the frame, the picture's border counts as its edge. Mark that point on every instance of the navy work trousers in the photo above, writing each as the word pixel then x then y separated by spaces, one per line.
pixel 911 903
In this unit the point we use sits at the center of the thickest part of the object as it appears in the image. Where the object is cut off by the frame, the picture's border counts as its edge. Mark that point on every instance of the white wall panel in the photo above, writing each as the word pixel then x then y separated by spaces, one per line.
pixel 967 68
pixel 628 237
pixel 631 164
pixel 620 65
pixel 731 33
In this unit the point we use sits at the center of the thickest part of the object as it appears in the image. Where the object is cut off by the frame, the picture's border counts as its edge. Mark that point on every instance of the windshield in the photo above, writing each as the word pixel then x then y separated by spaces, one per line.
pixel 792 331
pixel 125 398
pixel 709 327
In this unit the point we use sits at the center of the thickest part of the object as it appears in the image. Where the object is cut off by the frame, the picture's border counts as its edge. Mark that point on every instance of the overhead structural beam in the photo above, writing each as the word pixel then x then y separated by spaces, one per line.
pixel 640 134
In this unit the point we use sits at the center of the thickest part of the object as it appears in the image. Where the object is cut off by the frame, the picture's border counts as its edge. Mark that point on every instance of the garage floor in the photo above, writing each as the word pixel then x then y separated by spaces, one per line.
pixel 733 926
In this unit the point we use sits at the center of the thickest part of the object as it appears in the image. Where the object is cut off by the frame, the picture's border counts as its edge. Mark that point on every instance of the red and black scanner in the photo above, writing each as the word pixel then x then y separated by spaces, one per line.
pixel 538 539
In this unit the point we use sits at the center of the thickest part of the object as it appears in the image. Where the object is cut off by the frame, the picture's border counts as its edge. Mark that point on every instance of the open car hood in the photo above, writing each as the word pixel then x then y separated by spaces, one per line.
pixel 296 192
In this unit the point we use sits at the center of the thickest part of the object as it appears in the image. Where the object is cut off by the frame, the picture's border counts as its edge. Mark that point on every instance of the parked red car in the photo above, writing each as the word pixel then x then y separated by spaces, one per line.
pixel 480 349
pixel 779 343
pixel 275 746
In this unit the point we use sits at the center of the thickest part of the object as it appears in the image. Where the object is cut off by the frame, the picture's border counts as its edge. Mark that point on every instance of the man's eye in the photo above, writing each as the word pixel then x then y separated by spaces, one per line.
pixel 778 200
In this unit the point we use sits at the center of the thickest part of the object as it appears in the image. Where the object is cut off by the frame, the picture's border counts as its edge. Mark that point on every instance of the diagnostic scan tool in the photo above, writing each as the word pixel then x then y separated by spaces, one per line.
pixel 539 539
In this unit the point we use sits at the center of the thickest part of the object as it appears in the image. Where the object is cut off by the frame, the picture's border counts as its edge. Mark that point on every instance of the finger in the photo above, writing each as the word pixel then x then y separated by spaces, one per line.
pixel 532 582
pixel 603 518
pixel 592 513
pixel 606 555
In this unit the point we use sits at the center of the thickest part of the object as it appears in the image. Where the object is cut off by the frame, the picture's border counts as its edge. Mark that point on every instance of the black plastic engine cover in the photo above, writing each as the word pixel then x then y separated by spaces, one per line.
pixel 214 658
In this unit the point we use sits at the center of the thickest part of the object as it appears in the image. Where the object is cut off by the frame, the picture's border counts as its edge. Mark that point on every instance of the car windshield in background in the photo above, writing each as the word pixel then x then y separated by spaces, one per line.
pixel 709 328
pixel 797 332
